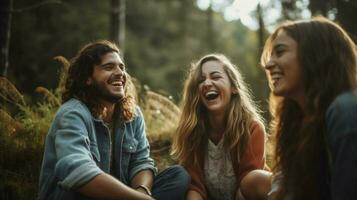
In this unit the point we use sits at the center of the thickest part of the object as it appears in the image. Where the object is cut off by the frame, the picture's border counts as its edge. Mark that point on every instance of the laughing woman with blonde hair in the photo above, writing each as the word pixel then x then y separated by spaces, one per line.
pixel 220 137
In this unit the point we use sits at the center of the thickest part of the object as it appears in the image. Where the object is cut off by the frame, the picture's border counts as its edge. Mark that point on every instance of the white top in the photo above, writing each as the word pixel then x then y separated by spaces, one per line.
pixel 219 174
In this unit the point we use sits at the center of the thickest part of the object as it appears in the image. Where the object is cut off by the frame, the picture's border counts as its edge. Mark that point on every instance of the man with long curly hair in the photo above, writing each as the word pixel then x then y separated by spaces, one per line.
pixel 97 146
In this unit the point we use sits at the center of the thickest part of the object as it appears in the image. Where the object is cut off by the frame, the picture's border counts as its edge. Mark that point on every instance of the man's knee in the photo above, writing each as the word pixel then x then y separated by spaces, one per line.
pixel 172 183
pixel 180 174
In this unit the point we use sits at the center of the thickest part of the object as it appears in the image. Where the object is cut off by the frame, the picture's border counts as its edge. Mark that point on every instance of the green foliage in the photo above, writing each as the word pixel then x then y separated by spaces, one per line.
pixel 23 129
pixel 162 39
pixel 21 140
pixel 22 132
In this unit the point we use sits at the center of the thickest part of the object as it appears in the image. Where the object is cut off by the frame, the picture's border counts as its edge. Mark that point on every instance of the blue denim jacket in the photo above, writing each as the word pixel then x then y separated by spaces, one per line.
pixel 78 147
pixel 341 121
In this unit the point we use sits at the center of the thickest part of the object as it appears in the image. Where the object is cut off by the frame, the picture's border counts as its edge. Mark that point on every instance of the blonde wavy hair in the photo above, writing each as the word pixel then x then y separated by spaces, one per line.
pixel 191 134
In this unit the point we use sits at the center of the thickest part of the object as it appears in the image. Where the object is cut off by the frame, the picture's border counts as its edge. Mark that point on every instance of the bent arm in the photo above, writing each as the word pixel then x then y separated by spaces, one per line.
pixel 255 185
pixel 254 182
pixel 105 186
pixel 144 177
pixel 140 160
pixel 193 195
pixel 75 166
pixel 254 156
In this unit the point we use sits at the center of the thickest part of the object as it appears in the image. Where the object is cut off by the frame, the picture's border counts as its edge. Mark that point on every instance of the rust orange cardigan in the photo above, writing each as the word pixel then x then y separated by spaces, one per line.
pixel 252 159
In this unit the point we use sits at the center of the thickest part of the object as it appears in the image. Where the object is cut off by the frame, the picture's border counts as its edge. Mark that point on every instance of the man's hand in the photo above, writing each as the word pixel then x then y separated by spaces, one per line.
pixel 141 190
pixel 143 178
pixel 105 186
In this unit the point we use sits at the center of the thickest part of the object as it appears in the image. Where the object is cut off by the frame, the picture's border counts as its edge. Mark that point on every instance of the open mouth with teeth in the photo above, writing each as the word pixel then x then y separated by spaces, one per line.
pixel 276 76
pixel 211 95
pixel 117 83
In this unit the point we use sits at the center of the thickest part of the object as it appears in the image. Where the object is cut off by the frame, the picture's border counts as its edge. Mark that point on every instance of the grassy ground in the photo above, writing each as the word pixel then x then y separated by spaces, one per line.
pixel 23 127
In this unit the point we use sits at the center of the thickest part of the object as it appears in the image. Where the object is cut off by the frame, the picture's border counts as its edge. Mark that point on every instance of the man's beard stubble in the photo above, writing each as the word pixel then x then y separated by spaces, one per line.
pixel 99 92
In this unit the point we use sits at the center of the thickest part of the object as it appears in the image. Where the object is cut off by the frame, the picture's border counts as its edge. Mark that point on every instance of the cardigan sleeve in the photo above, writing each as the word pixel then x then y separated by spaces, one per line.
pixel 254 157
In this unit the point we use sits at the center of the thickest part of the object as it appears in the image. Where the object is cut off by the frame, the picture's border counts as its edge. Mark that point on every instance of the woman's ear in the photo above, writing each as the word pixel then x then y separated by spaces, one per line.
pixel 234 91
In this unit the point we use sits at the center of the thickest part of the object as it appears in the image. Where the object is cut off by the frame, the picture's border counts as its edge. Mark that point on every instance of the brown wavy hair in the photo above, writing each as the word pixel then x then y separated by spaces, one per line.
pixel 328 62
pixel 81 68
pixel 191 135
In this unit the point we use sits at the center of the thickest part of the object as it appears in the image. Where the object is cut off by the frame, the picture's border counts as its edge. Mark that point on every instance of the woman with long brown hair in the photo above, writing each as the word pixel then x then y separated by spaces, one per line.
pixel 220 137
pixel 311 66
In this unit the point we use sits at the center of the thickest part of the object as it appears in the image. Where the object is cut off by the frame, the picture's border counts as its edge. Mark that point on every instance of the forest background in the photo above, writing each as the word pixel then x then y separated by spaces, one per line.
pixel 159 40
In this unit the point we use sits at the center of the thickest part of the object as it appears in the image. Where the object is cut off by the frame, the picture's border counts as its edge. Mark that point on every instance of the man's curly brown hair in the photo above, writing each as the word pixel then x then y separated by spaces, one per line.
pixel 81 68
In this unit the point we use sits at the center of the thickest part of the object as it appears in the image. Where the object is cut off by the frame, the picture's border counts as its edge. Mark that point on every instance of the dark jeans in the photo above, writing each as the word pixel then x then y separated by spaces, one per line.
pixel 172 183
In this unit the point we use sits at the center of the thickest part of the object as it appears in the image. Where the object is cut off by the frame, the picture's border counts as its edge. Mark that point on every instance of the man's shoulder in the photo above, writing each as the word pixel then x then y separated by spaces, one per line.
pixel 138 118
pixel 138 114
pixel 71 113
pixel 73 105
pixel 138 111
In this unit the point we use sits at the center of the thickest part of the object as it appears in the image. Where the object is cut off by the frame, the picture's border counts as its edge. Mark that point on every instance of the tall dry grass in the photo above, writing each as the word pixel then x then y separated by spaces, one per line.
pixel 23 128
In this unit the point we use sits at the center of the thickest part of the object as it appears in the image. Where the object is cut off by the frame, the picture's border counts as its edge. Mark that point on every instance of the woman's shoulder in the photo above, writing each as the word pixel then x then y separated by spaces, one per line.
pixel 257 127
pixel 346 98
pixel 345 103
pixel 341 116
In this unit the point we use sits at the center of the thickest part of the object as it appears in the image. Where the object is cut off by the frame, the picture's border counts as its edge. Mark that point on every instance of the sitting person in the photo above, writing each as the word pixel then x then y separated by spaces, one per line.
pixel 220 136
pixel 97 146
pixel 311 66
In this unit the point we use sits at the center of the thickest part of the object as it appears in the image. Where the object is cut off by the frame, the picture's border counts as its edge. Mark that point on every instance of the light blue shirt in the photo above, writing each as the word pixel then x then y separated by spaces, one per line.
pixel 78 148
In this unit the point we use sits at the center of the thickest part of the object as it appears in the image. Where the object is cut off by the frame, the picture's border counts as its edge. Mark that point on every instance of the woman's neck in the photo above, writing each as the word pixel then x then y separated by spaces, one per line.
pixel 300 100
pixel 217 127
pixel 216 121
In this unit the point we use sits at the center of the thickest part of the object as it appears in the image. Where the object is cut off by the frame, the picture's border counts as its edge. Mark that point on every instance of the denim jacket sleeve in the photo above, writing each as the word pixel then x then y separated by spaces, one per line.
pixel 75 164
pixel 140 159
pixel 341 120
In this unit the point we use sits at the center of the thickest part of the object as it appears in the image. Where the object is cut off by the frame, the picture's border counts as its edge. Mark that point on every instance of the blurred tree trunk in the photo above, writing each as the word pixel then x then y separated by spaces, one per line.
pixel 319 7
pixel 261 29
pixel 117 23
pixel 5 28
pixel 261 75
pixel 346 13
pixel 289 9
pixel 184 20
pixel 210 28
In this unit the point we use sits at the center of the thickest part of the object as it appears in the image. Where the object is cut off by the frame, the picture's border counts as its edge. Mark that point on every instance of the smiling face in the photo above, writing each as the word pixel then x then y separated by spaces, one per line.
pixel 215 87
pixel 282 68
pixel 109 78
